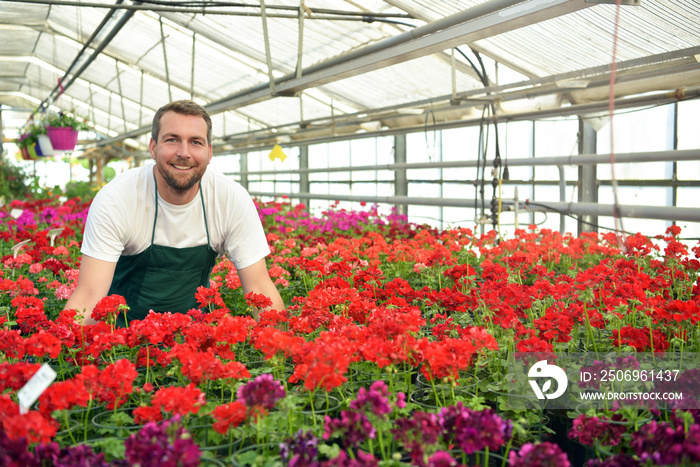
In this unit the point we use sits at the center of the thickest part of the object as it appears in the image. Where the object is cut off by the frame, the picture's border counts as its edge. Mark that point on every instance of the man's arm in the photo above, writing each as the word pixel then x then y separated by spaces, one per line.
pixel 94 280
pixel 254 278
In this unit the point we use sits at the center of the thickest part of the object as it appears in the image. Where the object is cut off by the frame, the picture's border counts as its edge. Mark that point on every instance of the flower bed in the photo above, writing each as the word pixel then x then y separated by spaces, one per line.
pixel 394 349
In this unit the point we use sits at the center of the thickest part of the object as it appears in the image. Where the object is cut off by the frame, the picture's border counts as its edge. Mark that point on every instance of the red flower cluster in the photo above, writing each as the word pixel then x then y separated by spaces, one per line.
pixel 108 308
pixel 175 400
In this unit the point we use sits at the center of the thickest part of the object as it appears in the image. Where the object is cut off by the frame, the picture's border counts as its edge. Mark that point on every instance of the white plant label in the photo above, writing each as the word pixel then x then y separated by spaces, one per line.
pixel 34 387
pixel 16 248
pixel 53 233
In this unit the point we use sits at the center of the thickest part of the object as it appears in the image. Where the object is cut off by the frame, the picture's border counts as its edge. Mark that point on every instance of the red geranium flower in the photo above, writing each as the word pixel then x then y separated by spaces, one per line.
pixel 179 400
pixel 108 308
pixel 228 416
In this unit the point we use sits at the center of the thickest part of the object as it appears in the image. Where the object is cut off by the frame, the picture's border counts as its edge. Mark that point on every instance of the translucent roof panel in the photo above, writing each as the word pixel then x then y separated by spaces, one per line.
pixel 334 60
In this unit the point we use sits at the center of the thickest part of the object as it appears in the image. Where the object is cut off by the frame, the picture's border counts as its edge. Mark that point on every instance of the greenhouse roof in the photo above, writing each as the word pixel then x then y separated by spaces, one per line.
pixel 277 72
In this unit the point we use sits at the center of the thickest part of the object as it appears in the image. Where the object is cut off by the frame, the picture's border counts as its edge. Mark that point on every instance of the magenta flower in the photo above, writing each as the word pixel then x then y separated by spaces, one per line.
pixel 376 398
pixel 618 460
pixel 362 459
pixel 417 434
pixel 15 452
pixel 474 430
pixel 264 391
pixel 660 443
pixel 442 459
pixel 80 455
pixel 167 445
pixel 544 454
pixel 301 450
pixel 353 427
pixel 588 430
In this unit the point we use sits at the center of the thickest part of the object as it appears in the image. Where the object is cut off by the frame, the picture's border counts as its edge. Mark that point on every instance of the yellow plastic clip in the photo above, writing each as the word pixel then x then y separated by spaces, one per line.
pixel 277 153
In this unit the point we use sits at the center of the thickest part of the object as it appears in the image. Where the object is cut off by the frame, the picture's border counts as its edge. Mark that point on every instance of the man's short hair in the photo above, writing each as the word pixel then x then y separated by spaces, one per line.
pixel 184 107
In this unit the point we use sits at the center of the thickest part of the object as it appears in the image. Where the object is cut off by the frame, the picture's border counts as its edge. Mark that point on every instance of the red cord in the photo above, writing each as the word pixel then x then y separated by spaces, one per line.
pixel 619 230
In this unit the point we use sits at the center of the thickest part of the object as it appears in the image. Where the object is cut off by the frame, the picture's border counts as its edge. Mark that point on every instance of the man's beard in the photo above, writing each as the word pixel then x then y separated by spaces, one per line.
pixel 181 186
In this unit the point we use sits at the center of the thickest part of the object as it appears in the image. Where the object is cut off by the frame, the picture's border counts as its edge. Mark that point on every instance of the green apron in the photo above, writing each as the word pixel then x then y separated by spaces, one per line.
pixel 163 278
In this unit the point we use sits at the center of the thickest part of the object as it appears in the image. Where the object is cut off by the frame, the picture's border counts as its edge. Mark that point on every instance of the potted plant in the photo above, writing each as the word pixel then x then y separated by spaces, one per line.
pixel 62 129
pixel 26 144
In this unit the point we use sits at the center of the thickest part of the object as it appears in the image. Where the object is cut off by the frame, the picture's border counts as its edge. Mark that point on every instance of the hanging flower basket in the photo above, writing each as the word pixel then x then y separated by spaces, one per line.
pixel 25 154
pixel 62 138
pixel 28 153
pixel 44 146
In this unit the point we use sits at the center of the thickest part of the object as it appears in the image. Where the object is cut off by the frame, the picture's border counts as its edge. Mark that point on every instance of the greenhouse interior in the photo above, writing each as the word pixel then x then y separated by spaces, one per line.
pixel 435 233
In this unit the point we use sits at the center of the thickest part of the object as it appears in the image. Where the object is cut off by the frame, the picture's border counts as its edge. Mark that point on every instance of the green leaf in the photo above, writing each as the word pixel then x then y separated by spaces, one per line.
pixel 331 452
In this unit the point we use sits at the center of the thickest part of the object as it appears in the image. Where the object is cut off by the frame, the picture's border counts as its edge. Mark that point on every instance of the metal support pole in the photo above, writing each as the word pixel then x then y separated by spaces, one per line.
pixel 300 40
pixel 141 100
pixel 244 170
pixel 304 186
pixel 532 173
pixel 454 75
pixel 1 132
pixel 165 59
pixel 587 175
pixel 673 144
pixel 578 209
pixel 121 99
pixel 194 43
pixel 400 179
pixel 584 159
pixel 562 198
pixel 516 208
pixel 268 54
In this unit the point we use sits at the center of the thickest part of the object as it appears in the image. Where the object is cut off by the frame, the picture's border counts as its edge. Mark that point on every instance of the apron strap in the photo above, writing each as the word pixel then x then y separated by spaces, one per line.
pixel 206 225
pixel 155 217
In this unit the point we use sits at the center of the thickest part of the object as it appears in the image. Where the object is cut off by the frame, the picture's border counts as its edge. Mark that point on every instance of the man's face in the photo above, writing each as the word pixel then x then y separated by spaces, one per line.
pixel 181 153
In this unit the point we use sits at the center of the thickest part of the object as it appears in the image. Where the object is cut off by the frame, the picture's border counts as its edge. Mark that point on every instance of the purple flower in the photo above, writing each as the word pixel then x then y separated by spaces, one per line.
pixel 376 398
pixel 362 459
pixel 49 215
pixel 13 452
pixel 691 445
pixel 539 455
pixel 594 369
pixel 442 459
pixel 268 211
pixel 629 362
pixel 80 455
pixel 618 460
pixel 417 433
pixel 300 450
pixel 688 383
pixel 353 427
pixel 474 430
pixel 400 400
pixel 660 443
pixel 262 392
pixel 588 430
pixel 166 445
pixel 25 220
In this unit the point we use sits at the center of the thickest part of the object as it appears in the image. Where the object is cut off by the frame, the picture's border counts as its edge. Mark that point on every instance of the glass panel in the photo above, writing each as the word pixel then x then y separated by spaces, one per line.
pixel 638 131
pixel 639 196
pixel 553 220
pixel 637 171
pixel 688 131
pixel 556 137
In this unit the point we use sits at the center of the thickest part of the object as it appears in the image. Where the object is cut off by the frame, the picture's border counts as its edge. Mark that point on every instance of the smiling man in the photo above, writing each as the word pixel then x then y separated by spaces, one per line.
pixel 154 232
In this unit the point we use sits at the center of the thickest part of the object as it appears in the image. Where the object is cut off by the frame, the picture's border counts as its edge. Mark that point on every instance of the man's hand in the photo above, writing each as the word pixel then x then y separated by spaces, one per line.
pixel 255 278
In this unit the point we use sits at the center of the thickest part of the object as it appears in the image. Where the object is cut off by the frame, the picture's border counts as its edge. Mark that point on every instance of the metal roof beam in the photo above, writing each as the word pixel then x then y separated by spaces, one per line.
pixel 485 20
pixel 479 22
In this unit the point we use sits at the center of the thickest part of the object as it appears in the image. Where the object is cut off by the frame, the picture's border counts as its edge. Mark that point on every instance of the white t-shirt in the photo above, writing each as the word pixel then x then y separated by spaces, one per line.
pixel 120 219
